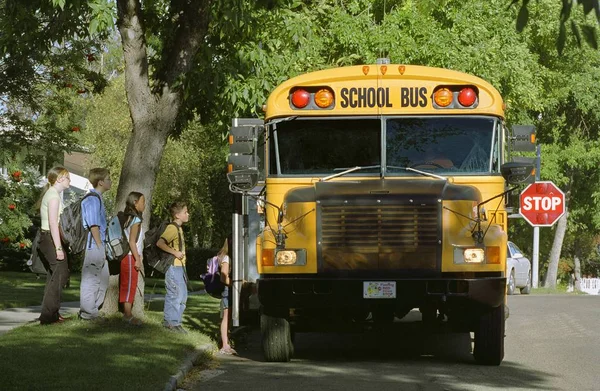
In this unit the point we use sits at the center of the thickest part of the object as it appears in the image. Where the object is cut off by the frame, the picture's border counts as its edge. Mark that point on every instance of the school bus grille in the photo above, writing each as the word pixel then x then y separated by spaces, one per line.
pixel 379 236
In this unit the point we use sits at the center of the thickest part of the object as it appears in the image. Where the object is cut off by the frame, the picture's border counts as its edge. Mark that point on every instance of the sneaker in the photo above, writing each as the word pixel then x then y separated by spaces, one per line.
pixel 229 351
pixel 99 318
pixel 176 329
pixel 133 321
pixel 181 330
pixel 62 319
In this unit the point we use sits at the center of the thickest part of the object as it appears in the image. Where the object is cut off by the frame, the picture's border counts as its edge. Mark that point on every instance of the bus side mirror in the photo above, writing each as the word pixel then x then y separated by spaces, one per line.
pixel 517 172
pixel 242 180
pixel 243 140
pixel 523 138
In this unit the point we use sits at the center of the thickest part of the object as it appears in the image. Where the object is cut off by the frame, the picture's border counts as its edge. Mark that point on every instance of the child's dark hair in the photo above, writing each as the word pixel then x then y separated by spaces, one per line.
pixel 130 210
pixel 176 207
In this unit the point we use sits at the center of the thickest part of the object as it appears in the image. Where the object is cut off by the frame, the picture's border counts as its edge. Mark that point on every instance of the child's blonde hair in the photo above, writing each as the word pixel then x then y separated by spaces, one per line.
pixel 224 251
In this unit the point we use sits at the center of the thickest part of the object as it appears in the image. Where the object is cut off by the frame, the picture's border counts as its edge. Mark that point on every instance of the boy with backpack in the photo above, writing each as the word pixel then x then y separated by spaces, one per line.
pixel 94 273
pixel 171 241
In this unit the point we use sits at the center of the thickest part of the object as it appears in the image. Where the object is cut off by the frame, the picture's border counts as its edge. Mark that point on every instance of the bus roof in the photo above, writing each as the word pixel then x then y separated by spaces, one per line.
pixel 383 89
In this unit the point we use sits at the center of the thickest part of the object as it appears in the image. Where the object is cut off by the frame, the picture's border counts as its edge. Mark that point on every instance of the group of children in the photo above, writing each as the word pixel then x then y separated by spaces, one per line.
pixel 95 274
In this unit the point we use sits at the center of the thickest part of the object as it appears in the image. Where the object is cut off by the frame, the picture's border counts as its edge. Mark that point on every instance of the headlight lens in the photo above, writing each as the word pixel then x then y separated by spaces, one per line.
pixel 286 257
pixel 474 255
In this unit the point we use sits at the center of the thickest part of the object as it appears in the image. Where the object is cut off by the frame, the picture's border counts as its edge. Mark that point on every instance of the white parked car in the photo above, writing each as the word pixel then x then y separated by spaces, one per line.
pixel 518 270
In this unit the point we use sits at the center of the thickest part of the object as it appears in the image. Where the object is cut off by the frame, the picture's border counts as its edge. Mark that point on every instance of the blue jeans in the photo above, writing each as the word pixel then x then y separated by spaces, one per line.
pixel 176 296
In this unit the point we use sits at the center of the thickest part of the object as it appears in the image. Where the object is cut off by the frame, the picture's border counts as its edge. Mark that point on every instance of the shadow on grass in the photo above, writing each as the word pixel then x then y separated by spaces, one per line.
pixel 25 289
pixel 201 314
pixel 107 355
pixel 95 356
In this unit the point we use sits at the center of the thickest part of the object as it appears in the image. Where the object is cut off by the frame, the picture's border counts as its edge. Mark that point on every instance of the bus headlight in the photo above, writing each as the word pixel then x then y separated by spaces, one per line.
pixel 291 257
pixel 474 255
pixel 469 255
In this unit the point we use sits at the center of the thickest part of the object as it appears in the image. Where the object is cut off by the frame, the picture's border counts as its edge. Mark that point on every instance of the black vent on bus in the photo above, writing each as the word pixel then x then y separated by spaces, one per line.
pixel 379 232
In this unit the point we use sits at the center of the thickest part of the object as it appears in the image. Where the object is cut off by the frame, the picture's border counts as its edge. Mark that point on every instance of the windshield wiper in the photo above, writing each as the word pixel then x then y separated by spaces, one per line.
pixel 346 171
pixel 419 172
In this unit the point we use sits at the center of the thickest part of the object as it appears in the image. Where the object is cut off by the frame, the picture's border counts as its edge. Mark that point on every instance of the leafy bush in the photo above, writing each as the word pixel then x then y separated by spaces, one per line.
pixel 19 191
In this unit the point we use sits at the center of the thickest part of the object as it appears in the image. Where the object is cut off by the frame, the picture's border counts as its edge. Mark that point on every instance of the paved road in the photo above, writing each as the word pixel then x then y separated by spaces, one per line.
pixel 552 343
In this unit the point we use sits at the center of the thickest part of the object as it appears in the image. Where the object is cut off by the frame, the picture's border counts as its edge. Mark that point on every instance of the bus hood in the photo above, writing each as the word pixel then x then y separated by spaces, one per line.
pixel 388 189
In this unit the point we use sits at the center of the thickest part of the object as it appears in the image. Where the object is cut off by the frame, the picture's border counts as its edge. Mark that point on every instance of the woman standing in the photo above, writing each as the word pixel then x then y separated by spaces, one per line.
pixel 132 263
pixel 50 248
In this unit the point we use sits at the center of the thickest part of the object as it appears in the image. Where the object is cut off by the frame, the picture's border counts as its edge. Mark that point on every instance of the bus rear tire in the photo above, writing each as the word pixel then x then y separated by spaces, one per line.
pixel 489 337
pixel 276 338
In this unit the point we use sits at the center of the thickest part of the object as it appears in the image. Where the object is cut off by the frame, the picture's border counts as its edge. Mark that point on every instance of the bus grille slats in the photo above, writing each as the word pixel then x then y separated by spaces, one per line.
pixel 379 236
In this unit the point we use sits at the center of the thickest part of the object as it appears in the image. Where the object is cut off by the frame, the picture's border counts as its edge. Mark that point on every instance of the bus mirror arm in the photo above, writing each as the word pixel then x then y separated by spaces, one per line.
pixel 478 234
pixel 280 235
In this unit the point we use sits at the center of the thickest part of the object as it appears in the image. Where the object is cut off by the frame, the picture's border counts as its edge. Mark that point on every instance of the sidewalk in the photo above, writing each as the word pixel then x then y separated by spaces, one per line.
pixel 14 317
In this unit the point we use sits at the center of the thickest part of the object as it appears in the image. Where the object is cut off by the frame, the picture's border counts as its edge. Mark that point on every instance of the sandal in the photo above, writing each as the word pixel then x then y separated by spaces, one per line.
pixel 133 321
pixel 228 352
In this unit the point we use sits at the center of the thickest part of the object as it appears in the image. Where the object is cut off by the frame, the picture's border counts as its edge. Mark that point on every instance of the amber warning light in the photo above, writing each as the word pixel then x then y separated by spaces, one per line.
pixel 312 98
pixel 456 97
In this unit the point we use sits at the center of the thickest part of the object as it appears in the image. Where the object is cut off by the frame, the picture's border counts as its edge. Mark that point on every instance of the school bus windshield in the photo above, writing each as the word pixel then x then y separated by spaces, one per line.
pixel 444 145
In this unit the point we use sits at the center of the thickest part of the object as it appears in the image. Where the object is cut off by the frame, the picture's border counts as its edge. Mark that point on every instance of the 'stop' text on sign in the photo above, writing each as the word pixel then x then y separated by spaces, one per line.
pixel 542 204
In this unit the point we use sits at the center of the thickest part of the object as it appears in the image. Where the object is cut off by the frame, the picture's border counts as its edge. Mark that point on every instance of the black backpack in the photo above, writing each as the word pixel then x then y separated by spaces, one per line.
pixel 72 232
pixel 35 263
pixel 156 258
pixel 212 278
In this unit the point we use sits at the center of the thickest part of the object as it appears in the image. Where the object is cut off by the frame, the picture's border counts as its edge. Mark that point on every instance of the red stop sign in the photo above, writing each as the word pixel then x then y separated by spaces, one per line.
pixel 542 204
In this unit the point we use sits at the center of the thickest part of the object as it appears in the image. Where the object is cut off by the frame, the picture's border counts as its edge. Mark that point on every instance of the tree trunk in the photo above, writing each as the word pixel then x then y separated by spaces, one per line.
pixel 577 273
pixel 559 236
pixel 140 167
pixel 153 111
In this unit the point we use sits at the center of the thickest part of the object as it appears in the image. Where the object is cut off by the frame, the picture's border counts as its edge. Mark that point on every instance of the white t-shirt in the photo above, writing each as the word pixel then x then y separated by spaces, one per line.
pixel 140 241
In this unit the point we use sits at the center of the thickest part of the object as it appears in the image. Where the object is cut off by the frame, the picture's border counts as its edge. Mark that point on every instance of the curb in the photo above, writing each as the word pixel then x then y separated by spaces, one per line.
pixel 187 365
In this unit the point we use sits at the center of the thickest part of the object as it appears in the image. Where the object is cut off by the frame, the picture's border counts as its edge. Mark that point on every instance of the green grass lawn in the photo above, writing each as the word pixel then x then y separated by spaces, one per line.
pixel 104 356
pixel 23 289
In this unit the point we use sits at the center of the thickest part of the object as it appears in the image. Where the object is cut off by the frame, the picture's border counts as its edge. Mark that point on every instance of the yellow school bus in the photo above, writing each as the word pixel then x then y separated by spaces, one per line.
pixel 374 190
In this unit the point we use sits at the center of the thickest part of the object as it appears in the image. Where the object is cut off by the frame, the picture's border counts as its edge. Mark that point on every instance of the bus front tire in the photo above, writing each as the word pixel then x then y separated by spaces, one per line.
pixel 489 337
pixel 276 338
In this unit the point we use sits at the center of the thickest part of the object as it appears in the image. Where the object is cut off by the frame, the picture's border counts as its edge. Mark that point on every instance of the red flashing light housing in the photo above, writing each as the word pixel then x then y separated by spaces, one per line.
pixel 300 98
pixel 467 97
pixel 455 97
pixel 312 98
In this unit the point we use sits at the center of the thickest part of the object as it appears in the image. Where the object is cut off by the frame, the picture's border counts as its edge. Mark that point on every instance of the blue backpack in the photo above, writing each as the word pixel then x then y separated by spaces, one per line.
pixel 117 246
pixel 212 278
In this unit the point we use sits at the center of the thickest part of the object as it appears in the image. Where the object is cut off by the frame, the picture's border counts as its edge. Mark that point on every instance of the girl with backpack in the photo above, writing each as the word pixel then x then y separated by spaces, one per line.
pixel 131 264
pixel 225 270
pixel 50 247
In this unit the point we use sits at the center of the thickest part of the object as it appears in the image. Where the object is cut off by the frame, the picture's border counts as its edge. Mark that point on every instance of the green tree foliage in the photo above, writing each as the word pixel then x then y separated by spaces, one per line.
pixel 192 168
pixel 47 54
pixel 581 28
pixel 249 47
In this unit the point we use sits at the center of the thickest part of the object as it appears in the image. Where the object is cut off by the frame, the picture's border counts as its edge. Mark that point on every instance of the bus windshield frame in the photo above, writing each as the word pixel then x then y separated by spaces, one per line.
pixel 385 145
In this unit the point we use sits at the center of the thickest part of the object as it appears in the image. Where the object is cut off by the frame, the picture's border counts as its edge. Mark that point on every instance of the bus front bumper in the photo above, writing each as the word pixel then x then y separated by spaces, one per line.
pixel 338 292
